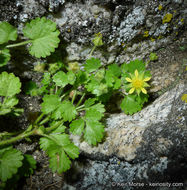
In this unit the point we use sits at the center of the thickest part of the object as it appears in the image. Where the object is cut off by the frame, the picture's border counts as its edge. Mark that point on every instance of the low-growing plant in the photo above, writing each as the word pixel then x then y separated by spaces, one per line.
pixel 73 99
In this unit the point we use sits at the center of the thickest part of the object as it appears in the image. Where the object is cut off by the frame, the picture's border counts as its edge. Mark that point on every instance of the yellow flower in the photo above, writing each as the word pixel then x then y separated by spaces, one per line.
pixel 138 83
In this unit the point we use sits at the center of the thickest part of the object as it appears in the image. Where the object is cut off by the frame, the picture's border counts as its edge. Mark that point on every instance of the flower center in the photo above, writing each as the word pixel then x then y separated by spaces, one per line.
pixel 137 83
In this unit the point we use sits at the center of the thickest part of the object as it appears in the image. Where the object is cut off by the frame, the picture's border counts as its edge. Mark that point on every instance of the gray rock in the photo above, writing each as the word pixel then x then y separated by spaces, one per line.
pixel 148 145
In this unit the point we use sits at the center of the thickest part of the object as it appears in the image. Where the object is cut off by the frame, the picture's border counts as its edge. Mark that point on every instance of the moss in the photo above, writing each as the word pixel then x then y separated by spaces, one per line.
pixel 146 34
pixel 160 37
pixel 167 18
pixel 152 39
pixel 160 7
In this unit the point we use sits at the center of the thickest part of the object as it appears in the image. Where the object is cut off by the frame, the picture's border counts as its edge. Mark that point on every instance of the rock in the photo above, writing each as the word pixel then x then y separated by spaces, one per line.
pixel 149 146
pixel 124 24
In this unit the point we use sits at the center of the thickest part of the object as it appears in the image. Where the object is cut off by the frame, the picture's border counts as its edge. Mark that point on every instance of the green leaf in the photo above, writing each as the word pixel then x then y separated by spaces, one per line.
pixel 50 103
pixel 31 88
pixel 99 107
pixel 109 77
pixel 65 110
pixel 7 32
pixel 153 57
pixel 81 78
pixel 129 104
pixel 96 87
pixel 77 127
pixel 142 98
pixel 117 84
pixel 71 77
pixel 46 78
pixel 115 70
pixel 60 129
pixel 10 102
pixel 60 79
pixel 9 84
pixel 10 161
pixel 60 150
pixel 59 162
pixel 94 132
pixel 92 64
pixel 29 164
pixel 4 57
pixel 89 102
pixel 93 115
pixel 134 65
pixel 97 41
pixel 99 75
pixel 43 35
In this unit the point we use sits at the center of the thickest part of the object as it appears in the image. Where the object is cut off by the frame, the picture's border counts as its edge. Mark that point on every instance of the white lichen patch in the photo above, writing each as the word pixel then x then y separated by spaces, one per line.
pixel 126 29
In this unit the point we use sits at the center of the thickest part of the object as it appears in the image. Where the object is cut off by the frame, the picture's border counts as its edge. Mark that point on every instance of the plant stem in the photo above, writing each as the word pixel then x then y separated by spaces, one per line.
pixel 18 44
pixel 92 51
pixel 8 134
pixel 54 126
pixel 39 118
pixel 80 101
pixel 19 137
pixel 80 107
pixel 45 120
pixel 74 95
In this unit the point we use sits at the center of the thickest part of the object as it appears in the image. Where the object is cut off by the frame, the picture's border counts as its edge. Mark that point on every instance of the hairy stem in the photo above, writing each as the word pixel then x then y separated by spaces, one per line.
pixel 17 138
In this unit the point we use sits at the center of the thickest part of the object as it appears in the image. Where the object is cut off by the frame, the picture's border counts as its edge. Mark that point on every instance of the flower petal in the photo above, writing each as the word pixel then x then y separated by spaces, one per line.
pixel 131 90
pixel 128 79
pixel 147 79
pixel 136 73
pixel 144 90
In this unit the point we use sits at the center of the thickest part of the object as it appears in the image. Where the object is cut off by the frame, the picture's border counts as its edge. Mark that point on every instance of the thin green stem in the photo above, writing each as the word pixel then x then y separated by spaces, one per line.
pixel 56 89
pixel 80 107
pixel 39 118
pixel 92 51
pixel 17 138
pixel 54 126
pixel 45 120
pixel 9 134
pixel 19 44
pixel 74 95
pixel 80 101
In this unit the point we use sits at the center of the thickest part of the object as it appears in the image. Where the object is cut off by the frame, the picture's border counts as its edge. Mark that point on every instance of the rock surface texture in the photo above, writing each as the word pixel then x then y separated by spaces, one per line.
pixel 141 150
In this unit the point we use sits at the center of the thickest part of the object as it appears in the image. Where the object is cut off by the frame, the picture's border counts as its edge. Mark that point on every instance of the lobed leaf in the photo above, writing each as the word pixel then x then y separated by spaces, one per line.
pixel 50 103
pixel 43 35
pixel 7 32
pixel 60 150
pixel 129 104
pixel 94 132
pixel 92 64
pixel 77 126
pixel 9 84
pixel 10 161
pixel 65 110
